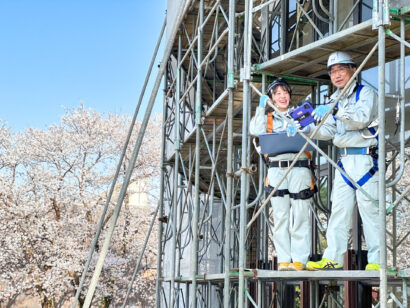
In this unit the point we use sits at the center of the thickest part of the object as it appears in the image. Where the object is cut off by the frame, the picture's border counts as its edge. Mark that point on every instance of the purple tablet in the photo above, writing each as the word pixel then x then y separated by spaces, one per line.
pixel 303 114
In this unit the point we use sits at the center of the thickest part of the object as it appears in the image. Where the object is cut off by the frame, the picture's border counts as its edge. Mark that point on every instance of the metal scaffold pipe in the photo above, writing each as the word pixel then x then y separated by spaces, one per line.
pixel 117 171
pixel 402 99
pixel 133 159
pixel 283 25
pixel 198 119
pixel 136 269
pixel 382 166
pixel 244 154
pixel 174 219
pixel 161 198
pixel 229 155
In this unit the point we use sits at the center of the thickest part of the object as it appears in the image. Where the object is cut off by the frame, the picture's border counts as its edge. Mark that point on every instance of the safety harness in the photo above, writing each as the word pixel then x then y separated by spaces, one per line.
pixel 302 195
pixel 357 151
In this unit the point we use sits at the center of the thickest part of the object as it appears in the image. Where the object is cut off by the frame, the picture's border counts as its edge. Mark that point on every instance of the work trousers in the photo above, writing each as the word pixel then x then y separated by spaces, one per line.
pixel 344 199
pixel 291 217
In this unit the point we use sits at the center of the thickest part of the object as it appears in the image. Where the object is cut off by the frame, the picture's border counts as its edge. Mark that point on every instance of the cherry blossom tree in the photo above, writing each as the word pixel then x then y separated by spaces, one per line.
pixel 53 187
pixel 401 217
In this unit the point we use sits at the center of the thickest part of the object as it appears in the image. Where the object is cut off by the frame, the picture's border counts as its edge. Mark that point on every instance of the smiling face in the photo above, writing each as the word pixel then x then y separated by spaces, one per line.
pixel 281 98
pixel 340 75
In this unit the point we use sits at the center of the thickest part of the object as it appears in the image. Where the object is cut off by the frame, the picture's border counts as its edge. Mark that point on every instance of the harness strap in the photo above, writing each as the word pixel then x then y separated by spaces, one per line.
pixel 372 130
pixel 269 125
pixel 304 194
pixel 286 163
pixel 363 180
pixel 278 193
pixel 356 151
pixel 357 88
pixel 313 184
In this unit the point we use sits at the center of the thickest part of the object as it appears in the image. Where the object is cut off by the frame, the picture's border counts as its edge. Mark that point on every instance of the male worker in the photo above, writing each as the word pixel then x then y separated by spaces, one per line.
pixel 350 129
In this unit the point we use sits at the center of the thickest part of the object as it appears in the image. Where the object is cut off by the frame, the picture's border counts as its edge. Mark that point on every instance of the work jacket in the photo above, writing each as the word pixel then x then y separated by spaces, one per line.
pixel 258 126
pixel 351 120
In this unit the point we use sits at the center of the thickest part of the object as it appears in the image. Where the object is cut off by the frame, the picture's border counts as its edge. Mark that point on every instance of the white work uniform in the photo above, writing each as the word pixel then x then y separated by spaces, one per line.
pixel 292 234
pixel 352 119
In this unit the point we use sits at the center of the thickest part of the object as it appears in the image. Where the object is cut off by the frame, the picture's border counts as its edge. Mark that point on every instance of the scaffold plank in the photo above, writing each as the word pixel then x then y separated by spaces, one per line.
pixel 310 60
pixel 369 277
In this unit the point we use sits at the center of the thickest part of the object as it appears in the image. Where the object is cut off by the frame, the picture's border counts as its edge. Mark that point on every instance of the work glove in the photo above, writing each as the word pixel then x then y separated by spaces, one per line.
pixel 297 123
pixel 262 101
pixel 291 129
pixel 304 129
pixel 320 111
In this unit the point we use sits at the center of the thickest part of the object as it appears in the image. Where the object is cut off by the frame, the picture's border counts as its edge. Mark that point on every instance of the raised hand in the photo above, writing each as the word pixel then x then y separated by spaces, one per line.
pixel 262 101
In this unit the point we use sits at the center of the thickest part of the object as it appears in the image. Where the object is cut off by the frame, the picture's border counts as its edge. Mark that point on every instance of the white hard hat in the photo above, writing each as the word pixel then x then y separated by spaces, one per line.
pixel 339 57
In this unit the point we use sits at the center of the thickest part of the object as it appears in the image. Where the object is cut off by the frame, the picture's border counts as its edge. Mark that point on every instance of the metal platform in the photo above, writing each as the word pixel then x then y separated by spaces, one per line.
pixel 311 60
pixel 325 277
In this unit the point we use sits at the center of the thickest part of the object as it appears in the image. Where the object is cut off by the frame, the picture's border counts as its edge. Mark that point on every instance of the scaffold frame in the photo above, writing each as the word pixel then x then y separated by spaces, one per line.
pixel 214 236
pixel 196 179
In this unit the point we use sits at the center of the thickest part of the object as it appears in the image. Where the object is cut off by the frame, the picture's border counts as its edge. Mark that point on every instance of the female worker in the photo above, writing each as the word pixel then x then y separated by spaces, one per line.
pixel 291 237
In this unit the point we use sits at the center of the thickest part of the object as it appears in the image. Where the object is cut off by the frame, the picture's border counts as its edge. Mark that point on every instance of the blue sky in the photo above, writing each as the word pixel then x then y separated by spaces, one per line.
pixel 61 53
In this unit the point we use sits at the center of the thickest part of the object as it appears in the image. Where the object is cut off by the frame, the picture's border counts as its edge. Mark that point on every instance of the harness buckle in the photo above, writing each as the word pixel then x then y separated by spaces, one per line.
pixel 282 166
pixel 343 152
pixel 373 152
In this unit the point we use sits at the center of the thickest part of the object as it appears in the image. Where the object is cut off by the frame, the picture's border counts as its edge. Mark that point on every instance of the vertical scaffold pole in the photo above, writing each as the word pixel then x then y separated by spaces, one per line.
pixel 283 25
pixel 382 158
pixel 176 178
pixel 198 124
pixel 161 196
pixel 229 156
pixel 405 302
pixel 244 155
pixel 335 16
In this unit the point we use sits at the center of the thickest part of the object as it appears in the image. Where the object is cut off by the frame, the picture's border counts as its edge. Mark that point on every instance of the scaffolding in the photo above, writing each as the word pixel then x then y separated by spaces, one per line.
pixel 215 247
pixel 215 231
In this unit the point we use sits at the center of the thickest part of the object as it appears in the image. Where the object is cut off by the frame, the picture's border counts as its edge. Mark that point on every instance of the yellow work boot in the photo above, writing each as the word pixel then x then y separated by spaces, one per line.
pixel 323 265
pixel 372 267
pixel 283 266
pixel 296 266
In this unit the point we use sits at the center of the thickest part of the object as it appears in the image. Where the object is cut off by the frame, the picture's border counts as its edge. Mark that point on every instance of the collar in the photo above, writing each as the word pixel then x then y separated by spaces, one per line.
pixel 279 113
pixel 349 92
